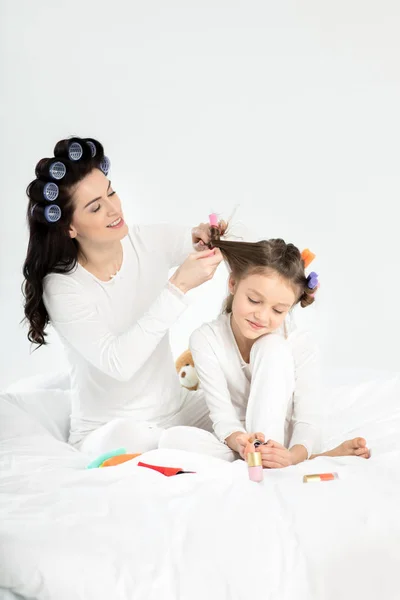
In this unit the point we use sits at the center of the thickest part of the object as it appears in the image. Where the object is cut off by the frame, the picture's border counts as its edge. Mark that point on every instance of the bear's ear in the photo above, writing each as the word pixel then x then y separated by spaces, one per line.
pixel 183 360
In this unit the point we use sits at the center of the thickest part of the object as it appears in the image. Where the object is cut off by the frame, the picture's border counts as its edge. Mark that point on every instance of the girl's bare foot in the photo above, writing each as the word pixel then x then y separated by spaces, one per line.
pixel 355 447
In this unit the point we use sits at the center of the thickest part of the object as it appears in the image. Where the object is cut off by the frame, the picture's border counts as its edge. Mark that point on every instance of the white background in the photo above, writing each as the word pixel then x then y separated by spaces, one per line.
pixel 290 109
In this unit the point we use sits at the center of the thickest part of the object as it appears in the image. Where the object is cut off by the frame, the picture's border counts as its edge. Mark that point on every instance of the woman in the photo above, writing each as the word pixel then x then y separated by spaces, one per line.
pixel 105 290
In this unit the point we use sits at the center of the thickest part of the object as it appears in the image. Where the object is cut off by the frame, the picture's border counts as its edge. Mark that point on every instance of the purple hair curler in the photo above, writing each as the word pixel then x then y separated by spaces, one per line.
pixel 312 280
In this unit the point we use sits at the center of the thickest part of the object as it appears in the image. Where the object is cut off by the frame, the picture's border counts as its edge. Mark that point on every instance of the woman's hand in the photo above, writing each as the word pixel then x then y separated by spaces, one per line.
pixel 201 235
pixel 198 268
pixel 275 456
pixel 242 443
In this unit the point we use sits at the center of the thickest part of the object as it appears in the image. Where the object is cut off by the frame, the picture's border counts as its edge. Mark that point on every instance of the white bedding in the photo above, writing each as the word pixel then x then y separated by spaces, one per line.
pixel 128 533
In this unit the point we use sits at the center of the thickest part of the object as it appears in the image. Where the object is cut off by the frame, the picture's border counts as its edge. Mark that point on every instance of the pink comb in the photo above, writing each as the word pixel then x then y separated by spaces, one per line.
pixel 213 220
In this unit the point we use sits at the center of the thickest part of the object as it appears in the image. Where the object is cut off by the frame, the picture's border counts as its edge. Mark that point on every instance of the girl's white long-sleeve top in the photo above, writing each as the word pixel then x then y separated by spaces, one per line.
pixel 226 380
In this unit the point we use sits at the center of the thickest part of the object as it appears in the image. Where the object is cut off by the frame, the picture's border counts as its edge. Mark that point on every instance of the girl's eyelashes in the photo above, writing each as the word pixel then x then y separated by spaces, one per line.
pixel 278 312
pixel 96 209
pixel 111 194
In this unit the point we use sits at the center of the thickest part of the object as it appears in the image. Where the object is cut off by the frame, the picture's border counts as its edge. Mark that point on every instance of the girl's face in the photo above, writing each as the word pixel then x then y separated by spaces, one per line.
pixel 260 303
pixel 98 216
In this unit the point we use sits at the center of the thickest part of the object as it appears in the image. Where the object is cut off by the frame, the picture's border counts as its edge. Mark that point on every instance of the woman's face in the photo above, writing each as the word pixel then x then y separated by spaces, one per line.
pixel 260 303
pixel 98 216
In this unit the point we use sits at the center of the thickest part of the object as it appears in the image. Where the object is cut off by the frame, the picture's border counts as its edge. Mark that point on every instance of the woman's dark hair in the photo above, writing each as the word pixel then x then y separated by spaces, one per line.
pixel 50 247
pixel 245 258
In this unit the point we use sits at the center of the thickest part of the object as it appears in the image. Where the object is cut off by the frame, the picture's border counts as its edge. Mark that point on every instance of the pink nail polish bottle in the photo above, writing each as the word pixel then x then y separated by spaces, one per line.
pixel 254 462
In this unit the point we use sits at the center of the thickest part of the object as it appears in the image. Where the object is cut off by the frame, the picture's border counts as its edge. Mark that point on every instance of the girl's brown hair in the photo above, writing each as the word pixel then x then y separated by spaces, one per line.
pixel 245 258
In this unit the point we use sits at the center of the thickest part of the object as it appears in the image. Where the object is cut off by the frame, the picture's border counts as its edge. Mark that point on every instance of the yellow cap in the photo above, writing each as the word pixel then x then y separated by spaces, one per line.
pixel 310 478
pixel 254 459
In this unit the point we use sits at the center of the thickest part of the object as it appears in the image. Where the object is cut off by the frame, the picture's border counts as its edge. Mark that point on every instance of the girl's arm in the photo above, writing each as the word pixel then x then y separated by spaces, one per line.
pixel 212 379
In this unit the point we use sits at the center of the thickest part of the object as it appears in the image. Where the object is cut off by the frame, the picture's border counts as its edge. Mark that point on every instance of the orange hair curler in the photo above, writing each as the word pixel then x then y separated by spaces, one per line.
pixel 307 257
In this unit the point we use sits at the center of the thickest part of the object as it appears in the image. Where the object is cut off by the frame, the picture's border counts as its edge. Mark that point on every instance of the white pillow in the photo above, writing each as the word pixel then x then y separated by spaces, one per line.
pixel 15 422
pixel 370 408
pixel 9 595
pixel 46 399
pixel 50 409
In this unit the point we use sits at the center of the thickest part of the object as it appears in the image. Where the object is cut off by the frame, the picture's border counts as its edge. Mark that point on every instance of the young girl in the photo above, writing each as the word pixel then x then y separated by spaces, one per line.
pixel 106 292
pixel 258 372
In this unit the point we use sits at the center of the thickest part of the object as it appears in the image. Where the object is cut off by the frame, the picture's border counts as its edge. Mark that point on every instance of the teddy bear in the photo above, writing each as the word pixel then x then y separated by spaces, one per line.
pixel 186 372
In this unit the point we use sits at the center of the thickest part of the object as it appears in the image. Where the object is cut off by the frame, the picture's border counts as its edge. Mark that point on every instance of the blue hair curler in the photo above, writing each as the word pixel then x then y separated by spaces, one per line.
pixel 75 151
pixel 57 170
pixel 50 191
pixel 105 165
pixel 52 213
pixel 92 147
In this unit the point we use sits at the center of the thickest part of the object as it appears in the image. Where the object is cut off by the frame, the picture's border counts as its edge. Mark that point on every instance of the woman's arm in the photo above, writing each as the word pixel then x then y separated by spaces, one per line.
pixel 175 242
pixel 75 317
pixel 76 320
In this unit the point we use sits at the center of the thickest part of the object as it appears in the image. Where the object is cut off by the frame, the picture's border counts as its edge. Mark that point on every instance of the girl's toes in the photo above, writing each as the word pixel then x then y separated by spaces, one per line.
pixel 363 452
pixel 358 443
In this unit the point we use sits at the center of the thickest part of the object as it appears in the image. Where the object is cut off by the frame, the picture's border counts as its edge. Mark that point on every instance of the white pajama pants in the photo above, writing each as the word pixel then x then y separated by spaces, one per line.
pixel 269 407
pixel 140 436
pixel 275 374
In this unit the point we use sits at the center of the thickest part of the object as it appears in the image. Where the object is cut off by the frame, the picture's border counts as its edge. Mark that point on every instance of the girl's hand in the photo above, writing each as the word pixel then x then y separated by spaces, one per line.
pixel 275 456
pixel 242 443
pixel 201 235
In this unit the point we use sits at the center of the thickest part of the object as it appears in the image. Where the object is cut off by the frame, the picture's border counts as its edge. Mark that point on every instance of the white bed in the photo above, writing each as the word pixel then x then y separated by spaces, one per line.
pixel 129 533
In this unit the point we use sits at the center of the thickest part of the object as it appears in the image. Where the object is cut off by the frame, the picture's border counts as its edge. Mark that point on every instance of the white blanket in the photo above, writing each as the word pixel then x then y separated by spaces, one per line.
pixel 129 533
